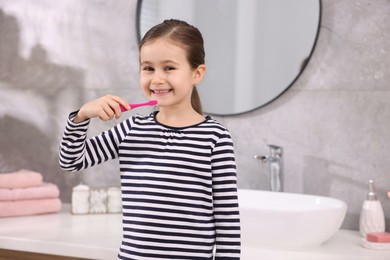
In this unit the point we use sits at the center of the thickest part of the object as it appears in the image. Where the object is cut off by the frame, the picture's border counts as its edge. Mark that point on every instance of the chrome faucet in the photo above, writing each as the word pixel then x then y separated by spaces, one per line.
pixel 275 163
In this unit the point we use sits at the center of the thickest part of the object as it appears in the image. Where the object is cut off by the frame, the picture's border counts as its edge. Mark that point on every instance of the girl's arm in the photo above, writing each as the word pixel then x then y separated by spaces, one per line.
pixel 226 211
pixel 76 151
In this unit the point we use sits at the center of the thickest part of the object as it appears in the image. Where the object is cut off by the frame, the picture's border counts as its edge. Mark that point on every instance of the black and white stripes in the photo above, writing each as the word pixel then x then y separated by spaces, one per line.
pixel 179 189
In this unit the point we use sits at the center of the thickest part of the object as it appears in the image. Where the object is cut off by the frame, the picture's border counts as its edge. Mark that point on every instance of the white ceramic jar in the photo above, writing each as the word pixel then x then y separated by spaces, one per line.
pixel 80 199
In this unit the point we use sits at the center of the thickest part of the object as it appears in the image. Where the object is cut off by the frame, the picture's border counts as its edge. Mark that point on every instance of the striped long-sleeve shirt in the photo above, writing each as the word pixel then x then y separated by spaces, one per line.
pixel 179 185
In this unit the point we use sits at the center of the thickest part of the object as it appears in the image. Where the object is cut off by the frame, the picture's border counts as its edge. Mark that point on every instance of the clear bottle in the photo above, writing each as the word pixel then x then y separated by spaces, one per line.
pixel 372 218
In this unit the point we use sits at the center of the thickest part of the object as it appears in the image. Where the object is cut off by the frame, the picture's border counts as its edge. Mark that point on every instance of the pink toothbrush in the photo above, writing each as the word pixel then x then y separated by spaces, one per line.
pixel 149 103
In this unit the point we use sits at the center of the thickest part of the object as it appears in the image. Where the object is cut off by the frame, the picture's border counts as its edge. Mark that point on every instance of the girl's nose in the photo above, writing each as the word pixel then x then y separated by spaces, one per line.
pixel 158 79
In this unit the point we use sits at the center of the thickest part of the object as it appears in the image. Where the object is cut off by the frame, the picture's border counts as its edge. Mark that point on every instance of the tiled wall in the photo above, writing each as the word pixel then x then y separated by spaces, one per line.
pixel 333 123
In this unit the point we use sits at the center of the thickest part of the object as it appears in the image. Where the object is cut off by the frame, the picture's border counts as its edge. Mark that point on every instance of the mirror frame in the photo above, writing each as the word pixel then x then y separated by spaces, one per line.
pixel 306 61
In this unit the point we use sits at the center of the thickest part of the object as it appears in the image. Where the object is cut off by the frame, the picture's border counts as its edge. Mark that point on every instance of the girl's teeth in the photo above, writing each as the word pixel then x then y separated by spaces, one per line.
pixel 161 91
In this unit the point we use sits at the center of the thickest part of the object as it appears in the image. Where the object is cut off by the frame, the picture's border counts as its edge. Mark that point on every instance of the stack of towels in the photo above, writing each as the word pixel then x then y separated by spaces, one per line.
pixel 24 193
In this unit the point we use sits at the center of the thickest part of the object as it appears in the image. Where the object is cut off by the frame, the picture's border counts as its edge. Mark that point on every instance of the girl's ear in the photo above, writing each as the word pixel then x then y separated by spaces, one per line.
pixel 199 73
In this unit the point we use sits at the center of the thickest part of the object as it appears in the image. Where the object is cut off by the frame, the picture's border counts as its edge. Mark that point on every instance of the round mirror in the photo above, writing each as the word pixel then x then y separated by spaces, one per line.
pixel 255 49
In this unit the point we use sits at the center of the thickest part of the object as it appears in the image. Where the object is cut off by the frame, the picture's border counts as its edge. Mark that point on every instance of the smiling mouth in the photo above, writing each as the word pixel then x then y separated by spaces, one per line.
pixel 160 91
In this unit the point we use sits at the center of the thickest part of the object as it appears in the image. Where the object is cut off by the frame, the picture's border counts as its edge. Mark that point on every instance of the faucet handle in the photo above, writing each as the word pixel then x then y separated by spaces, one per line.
pixel 261 158
pixel 274 152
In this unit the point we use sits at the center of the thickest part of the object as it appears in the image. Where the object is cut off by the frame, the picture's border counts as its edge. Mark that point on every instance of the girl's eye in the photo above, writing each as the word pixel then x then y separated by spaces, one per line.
pixel 168 68
pixel 147 68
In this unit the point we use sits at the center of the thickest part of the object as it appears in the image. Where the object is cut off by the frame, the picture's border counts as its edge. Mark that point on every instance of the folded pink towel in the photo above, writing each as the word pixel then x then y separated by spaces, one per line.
pixel 29 207
pixel 20 179
pixel 45 191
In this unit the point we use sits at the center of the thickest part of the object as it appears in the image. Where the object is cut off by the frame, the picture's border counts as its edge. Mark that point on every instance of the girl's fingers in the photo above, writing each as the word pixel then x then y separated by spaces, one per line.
pixel 105 108
pixel 122 102
pixel 115 108
pixel 111 105
pixel 108 110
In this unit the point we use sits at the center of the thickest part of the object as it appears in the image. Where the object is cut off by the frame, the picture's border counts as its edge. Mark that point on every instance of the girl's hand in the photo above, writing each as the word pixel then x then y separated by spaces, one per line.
pixel 104 107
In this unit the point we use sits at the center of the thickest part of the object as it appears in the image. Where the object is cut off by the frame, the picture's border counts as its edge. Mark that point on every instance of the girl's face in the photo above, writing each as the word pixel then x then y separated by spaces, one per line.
pixel 166 74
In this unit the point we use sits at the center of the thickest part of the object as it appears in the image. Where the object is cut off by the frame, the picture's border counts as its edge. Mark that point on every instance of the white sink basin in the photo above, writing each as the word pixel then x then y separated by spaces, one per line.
pixel 287 220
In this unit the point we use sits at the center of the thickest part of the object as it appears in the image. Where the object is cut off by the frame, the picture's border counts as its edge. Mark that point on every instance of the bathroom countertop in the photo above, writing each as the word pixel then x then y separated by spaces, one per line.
pixel 98 236
pixel 93 236
pixel 344 245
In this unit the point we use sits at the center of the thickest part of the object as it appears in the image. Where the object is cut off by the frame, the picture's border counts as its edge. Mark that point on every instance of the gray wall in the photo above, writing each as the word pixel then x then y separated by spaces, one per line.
pixel 333 123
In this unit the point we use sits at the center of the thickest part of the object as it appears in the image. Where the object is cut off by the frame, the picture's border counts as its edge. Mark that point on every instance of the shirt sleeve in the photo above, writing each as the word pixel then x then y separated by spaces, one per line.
pixel 77 152
pixel 225 199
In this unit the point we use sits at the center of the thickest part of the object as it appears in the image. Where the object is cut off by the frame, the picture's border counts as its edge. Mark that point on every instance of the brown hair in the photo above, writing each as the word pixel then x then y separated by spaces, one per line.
pixel 188 37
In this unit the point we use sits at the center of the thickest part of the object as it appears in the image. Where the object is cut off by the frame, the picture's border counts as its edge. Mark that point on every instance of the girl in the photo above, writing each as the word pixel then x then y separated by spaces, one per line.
pixel 178 173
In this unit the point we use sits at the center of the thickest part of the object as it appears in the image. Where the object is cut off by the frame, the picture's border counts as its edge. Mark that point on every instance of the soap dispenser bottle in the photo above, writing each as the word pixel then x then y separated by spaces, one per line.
pixel 372 218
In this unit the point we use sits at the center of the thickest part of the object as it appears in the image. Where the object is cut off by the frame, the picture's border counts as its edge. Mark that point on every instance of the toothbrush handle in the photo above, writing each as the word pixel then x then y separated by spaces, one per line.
pixel 132 106
pixel 139 105
pixel 123 109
